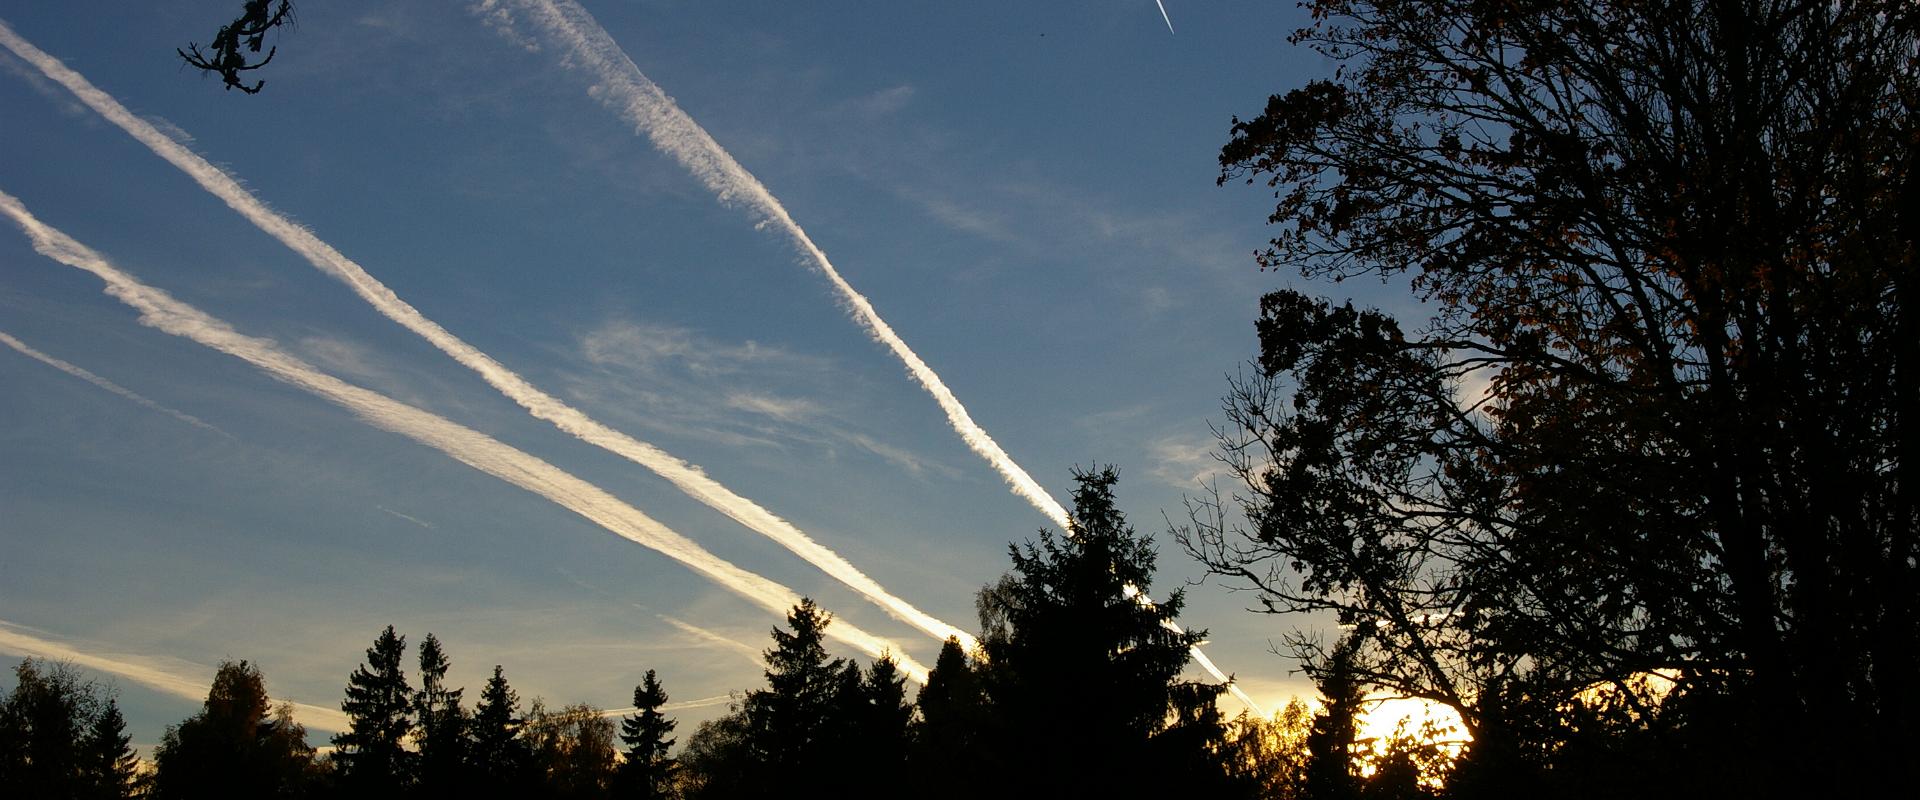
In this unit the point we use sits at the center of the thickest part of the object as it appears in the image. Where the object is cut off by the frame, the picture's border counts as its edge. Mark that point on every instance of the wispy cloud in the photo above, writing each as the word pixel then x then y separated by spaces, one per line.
pixel 688 477
pixel 712 638
pixel 178 678
pixel 161 311
pixel 108 385
pixel 624 89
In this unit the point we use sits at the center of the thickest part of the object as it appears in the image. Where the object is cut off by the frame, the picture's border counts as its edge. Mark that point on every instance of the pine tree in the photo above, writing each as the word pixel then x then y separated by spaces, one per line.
pixel 883 722
pixel 647 773
pixel 379 705
pixel 498 757
pixel 946 739
pixel 443 734
pixel 788 722
pixel 110 765
pixel 1331 773
pixel 1080 672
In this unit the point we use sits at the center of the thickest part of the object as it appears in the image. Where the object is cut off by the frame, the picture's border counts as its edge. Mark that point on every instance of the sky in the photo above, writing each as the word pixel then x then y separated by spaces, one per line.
pixel 238 455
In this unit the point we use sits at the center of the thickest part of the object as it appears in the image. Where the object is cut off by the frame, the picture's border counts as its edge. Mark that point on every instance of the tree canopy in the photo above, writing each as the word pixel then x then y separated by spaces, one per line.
pixel 1659 419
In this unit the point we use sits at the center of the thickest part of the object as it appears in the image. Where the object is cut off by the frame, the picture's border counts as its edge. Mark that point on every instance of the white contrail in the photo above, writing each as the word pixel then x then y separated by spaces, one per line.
pixel 697 632
pixel 160 310
pixel 1163 15
pixel 687 477
pixel 171 678
pixel 625 90
pixel 108 385
pixel 704 702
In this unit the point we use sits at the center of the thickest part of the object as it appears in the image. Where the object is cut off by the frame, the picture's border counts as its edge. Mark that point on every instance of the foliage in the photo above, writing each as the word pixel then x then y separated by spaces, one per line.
pixel 1660 417
pixel 573 749
pixel 238 745
pixel 373 756
pixel 248 30
pixel 61 737
pixel 647 772
pixel 442 734
pixel 1083 672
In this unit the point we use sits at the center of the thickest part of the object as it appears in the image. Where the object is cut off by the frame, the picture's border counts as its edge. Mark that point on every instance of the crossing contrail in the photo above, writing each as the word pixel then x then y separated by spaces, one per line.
pixel 108 385
pixel 168 676
pixel 689 478
pixel 622 88
pixel 161 311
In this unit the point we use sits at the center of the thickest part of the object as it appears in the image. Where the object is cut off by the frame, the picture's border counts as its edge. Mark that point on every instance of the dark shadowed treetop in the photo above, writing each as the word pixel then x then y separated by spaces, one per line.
pixel 1661 415
pixel 248 32
pixel 379 705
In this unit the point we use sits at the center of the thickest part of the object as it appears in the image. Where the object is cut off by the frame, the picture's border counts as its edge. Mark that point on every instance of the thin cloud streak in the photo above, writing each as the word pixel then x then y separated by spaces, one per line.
pixel 629 93
pixel 161 311
pixel 689 478
pixel 147 672
pixel 1163 15
pixel 697 632
pixel 623 89
pixel 108 385
pixel 704 702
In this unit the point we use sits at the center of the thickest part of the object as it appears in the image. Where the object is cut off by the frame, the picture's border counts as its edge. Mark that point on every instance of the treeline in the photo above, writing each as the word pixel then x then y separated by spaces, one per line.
pixel 1075 690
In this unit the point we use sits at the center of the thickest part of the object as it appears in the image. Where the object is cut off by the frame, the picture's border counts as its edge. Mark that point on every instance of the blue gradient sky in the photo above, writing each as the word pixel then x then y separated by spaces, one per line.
pixel 1024 190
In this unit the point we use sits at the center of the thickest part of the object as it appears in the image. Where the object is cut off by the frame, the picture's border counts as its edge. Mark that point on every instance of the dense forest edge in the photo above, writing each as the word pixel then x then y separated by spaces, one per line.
pixel 1629 503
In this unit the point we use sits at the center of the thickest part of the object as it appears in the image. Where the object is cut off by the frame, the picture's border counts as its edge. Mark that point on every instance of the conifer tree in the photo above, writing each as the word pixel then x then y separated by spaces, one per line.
pixel 498 757
pixel 42 723
pixel 882 722
pixel 1082 673
pixel 443 734
pixel 1331 773
pixel 946 739
pixel 647 773
pixel 110 765
pixel 788 718
pixel 373 759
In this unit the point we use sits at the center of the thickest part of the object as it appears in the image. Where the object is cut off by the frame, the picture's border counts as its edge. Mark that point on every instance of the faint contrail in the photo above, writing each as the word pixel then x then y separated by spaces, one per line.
pixel 704 702
pixel 160 310
pixel 626 91
pixel 108 385
pixel 697 632
pixel 687 477
pixel 1163 15
pixel 171 678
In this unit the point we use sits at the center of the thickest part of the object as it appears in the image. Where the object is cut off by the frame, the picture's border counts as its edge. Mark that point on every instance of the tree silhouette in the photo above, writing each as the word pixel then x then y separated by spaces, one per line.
pixel 953 718
pixel 647 773
pixel 1661 415
pixel 498 757
pixel 790 721
pixel 109 766
pixel 1331 770
pixel 442 740
pixel 47 746
pixel 238 745
pixel 373 757
pixel 1084 674
pixel 249 30
pixel 573 749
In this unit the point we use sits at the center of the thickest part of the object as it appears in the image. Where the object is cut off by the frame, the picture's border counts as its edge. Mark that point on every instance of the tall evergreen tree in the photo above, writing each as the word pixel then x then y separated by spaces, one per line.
pixel 443 725
pixel 237 745
pixel 110 767
pixel 788 721
pixel 947 737
pixel 498 756
pixel 373 758
pixel 1331 772
pixel 647 773
pixel 882 722
pixel 1084 673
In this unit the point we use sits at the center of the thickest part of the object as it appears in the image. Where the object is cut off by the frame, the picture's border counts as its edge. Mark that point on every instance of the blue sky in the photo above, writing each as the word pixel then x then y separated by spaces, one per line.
pixel 1024 191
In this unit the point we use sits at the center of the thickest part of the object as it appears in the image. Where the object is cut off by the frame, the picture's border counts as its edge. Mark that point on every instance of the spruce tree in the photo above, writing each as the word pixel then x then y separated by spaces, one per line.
pixel 1331 773
pixel 110 765
pixel 647 773
pixel 443 734
pixel 373 759
pixel 498 757
pixel 953 722
pixel 1080 672
pixel 788 722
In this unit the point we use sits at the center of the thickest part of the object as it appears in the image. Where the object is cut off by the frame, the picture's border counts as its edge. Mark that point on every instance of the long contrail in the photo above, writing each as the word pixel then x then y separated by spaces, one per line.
pixel 161 311
pixel 622 88
pixel 171 678
pixel 108 385
pixel 687 477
